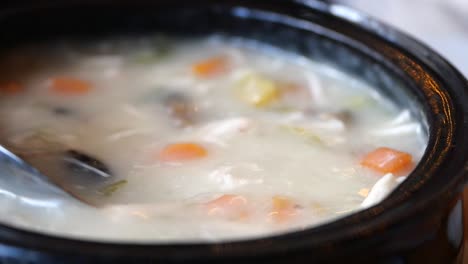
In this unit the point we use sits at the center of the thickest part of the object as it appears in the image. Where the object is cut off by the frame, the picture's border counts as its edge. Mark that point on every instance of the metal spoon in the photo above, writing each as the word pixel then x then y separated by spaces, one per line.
pixel 56 182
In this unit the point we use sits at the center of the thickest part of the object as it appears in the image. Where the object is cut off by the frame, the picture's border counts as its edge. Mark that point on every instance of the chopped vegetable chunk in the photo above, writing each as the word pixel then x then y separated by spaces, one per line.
pixel 70 86
pixel 387 160
pixel 257 90
pixel 182 152
pixel 210 67
pixel 112 188
pixel 11 88
pixel 228 205
pixel 283 209
pixel 181 108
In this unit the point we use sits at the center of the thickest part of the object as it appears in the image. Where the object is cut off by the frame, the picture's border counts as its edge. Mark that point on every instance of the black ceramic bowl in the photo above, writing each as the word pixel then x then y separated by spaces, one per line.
pixel 421 221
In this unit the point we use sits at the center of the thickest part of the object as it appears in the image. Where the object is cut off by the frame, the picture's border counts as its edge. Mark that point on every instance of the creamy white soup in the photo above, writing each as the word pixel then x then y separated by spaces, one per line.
pixel 156 139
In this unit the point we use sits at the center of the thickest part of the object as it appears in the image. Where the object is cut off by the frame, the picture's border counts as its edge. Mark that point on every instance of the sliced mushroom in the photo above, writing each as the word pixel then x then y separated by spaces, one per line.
pixel 181 108
pixel 85 165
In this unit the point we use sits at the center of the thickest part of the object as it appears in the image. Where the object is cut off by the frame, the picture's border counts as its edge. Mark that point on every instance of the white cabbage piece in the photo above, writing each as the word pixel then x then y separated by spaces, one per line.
pixel 381 189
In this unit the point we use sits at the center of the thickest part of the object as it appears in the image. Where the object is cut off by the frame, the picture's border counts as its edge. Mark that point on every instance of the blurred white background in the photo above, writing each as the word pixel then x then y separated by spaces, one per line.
pixel 441 24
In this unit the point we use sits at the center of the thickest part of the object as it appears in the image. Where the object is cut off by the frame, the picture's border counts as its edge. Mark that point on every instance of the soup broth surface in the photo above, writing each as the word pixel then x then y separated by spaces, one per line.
pixel 159 139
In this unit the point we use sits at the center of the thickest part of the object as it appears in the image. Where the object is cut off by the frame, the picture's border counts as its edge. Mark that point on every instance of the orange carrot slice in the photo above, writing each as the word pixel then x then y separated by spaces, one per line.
pixel 182 152
pixel 70 86
pixel 11 88
pixel 283 209
pixel 387 160
pixel 210 67
pixel 228 205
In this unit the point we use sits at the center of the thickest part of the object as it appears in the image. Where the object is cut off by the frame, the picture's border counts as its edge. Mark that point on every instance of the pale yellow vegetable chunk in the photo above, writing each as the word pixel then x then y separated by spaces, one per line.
pixel 257 90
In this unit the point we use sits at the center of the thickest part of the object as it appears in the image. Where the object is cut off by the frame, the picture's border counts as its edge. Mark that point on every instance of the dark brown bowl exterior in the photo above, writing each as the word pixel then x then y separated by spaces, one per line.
pixel 421 222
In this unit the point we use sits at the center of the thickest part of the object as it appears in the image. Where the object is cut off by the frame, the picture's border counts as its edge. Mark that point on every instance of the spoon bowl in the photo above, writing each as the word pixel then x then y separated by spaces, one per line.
pixel 26 178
